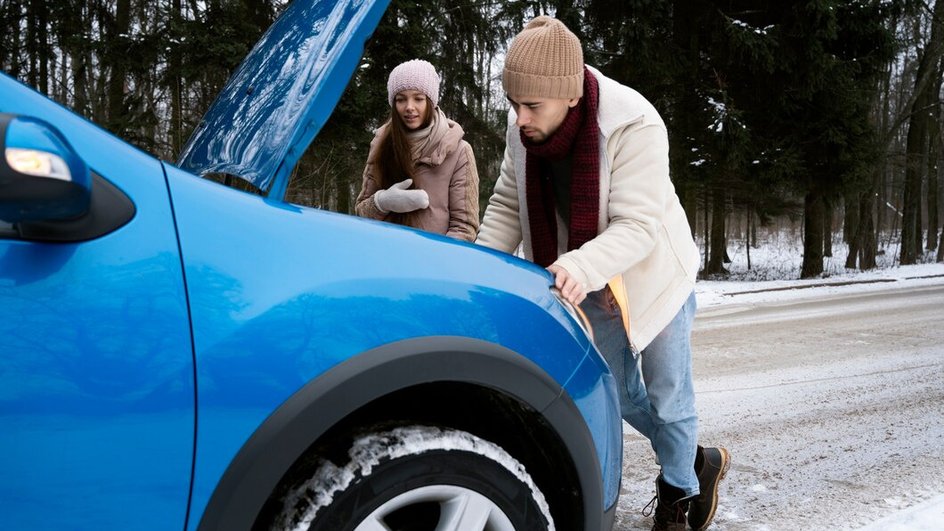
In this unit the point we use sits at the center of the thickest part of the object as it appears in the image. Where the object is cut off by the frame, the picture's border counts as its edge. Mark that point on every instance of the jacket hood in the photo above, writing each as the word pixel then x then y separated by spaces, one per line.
pixel 282 94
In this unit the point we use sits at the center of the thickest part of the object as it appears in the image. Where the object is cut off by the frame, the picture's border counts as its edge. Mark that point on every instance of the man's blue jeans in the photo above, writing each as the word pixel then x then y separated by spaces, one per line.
pixel 661 403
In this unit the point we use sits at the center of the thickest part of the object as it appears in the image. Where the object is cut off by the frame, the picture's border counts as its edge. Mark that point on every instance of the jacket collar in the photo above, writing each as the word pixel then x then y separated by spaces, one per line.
pixel 619 104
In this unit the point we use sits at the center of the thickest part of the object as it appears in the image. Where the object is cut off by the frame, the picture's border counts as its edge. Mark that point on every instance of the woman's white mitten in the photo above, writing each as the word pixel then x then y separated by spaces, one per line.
pixel 398 199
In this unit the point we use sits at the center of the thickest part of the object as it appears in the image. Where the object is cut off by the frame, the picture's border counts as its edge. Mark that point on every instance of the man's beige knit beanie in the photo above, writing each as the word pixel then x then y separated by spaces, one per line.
pixel 544 61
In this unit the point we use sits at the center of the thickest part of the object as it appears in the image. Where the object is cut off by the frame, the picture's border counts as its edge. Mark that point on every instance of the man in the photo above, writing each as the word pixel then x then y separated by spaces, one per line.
pixel 585 190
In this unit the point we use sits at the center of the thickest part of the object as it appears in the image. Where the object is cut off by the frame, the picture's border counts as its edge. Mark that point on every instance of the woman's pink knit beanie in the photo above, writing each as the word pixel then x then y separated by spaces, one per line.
pixel 414 75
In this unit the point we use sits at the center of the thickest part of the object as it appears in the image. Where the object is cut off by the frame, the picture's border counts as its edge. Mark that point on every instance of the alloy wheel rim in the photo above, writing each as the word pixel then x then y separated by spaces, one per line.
pixel 459 509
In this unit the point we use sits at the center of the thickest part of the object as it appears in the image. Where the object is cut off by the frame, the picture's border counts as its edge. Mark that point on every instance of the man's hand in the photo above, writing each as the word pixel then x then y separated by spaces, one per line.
pixel 572 291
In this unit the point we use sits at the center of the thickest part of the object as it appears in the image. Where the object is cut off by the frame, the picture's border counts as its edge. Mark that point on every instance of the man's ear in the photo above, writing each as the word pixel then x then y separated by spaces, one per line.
pixel 572 102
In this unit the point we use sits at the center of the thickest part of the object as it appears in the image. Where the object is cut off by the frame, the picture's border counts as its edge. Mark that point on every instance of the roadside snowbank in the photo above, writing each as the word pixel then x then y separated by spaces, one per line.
pixel 714 293
pixel 928 515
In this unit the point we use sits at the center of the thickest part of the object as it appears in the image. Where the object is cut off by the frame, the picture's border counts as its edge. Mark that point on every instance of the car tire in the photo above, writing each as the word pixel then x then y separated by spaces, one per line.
pixel 418 478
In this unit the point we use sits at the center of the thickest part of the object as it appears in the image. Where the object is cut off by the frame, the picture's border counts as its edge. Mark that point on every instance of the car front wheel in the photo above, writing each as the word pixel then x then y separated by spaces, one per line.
pixel 418 478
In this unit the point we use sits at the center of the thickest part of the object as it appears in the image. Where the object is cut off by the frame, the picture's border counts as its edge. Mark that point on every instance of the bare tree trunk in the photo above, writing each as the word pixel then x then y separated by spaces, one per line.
pixel 32 40
pixel 934 153
pixel 918 216
pixel 754 235
pixel 80 60
pixel 863 244
pixel 748 234
pixel 717 255
pixel 850 216
pixel 813 217
pixel 827 227
pixel 707 234
pixel 915 165
pixel 117 79
pixel 343 190
pixel 917 148
pixel 881 214
pixel 84 82
pixel 176 89
pixel 851 234
pixel 42 13
pixel 867 243
pixel 940 247
pixel 878 183
pixel 60 75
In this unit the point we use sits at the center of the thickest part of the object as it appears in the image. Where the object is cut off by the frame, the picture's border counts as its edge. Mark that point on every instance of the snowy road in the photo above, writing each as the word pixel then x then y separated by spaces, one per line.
pixel 831 408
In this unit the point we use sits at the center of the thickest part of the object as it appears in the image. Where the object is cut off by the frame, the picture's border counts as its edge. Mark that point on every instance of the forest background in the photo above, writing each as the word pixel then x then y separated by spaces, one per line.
pixel 822 113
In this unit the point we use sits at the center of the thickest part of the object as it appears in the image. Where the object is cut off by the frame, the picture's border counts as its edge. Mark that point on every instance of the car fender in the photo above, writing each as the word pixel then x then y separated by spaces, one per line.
pixel 328 399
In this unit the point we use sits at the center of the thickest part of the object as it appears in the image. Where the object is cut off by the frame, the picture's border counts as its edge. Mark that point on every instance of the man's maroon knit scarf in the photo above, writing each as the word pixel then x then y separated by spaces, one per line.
pixel 578 135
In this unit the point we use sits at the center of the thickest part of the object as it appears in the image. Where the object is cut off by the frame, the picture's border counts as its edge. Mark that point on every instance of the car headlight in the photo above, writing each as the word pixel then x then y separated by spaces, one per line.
pixel 576 313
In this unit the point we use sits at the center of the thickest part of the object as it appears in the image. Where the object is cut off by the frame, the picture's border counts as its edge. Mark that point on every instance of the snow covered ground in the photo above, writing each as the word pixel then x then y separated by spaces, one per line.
pixel 775 271
pixel 720 297
pixel 749 504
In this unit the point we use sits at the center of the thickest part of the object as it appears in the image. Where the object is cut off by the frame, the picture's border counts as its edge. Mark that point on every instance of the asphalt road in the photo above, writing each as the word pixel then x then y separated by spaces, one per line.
pixel 832 408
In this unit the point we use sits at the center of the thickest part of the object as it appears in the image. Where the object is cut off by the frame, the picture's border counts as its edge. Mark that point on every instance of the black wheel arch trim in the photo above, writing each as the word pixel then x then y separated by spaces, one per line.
pixel 323 402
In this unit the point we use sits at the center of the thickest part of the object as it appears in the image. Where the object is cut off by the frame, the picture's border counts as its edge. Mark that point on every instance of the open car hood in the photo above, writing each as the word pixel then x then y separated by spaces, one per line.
pixel 282 93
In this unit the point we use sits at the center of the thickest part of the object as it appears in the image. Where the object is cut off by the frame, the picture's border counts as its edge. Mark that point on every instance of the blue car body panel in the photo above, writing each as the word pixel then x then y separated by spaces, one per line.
pixel 135 366
pixel 283 93
pixel 593 388
pixel 318 288
pixel 96 366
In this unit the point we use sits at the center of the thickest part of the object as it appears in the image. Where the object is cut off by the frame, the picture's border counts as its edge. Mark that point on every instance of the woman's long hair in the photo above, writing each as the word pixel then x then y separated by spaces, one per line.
pixel 395 158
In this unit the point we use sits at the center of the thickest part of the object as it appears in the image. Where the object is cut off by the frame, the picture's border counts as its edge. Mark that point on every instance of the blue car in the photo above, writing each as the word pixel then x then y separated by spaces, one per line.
pixel 178 354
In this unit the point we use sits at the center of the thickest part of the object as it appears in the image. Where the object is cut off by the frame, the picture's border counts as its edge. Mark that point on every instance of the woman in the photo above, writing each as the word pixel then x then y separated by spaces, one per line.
pixel 420 172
